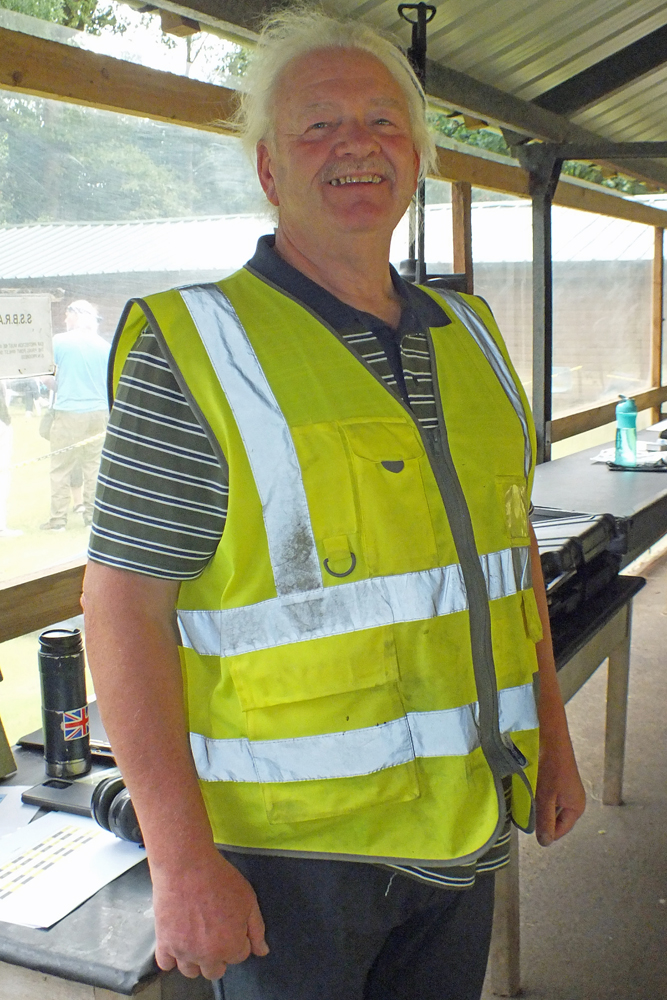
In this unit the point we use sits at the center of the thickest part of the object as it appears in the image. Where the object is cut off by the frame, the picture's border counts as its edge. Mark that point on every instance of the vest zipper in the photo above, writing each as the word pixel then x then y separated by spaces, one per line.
pixel 500 757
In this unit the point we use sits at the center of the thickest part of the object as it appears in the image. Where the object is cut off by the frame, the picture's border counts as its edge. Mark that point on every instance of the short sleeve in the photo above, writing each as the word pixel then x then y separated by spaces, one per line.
pixel 162 494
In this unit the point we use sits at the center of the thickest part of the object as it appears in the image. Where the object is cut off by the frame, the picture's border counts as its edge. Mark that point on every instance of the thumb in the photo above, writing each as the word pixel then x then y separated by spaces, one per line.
pixel 545 825
pixel 258 945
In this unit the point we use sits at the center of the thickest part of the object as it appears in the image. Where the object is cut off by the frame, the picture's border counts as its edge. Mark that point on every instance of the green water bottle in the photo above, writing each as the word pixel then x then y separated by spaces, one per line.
pixel 626 433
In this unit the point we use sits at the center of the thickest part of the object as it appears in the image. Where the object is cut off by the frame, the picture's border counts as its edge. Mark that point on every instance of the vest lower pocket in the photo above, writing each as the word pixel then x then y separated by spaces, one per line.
pixel 326 725
pixel 358 751
pixel 316 668
pixel 299 801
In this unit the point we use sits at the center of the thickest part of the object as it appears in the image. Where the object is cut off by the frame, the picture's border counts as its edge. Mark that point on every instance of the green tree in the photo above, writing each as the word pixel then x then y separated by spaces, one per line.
pixel 84 15
pixel 60 162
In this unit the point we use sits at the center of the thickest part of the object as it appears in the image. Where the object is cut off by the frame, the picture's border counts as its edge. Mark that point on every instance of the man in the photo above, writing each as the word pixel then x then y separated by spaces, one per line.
pixel 357 645
pixel 80 411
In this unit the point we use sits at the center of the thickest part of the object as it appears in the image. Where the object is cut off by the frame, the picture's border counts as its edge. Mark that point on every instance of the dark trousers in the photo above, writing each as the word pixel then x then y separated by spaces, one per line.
pixel 347 931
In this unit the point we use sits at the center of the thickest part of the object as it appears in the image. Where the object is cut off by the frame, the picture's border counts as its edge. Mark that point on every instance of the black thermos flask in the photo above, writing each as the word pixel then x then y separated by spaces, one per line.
pixel 64 704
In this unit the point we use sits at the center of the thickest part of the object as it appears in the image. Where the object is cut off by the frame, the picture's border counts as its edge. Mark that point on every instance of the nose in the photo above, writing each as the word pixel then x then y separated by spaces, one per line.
pixel 355 138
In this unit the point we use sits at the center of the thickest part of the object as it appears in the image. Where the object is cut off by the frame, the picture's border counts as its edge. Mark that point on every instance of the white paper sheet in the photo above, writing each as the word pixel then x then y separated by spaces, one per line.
pixel 13 813
pixel 50 867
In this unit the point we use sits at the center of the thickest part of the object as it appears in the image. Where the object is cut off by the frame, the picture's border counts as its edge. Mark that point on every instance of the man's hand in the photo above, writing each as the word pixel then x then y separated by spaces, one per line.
pixel 206 917
pixel 560 798
pixel 206 914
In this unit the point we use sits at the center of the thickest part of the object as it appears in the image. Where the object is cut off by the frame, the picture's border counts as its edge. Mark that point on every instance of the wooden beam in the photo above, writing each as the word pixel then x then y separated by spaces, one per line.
pixel 43 68
pixel 657 304
pixel 510 178
pixel 586 199
pixel 39 600
pixel 587 420
pixel 462 230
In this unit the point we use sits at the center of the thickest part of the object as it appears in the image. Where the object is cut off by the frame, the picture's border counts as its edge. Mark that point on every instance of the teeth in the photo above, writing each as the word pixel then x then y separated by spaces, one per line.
pixel 364 179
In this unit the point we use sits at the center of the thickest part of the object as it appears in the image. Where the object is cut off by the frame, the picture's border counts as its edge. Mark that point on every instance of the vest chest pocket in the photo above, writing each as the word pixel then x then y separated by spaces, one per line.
pixel 386 459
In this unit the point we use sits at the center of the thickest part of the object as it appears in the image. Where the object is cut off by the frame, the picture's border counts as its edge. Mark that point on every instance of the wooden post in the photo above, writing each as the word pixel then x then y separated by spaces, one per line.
pixel 462 230
pixel 656 315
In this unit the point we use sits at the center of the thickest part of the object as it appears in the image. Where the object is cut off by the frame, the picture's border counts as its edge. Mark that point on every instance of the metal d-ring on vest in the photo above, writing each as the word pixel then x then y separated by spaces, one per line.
pixel 347 572
pixel 305 609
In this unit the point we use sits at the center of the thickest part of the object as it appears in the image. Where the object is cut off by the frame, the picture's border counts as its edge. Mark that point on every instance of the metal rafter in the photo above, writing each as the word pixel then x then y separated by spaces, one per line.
pixel 608 75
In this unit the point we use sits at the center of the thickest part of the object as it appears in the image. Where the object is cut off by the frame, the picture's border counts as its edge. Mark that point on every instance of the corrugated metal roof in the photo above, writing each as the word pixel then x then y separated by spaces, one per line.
pixel 637 112
pixel 526 47
pixel 522 46
pixel 214 244
pixel 501 232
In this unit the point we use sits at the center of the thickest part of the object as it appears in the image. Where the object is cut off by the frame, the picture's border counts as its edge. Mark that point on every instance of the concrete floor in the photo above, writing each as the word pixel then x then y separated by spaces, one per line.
pixel 594 905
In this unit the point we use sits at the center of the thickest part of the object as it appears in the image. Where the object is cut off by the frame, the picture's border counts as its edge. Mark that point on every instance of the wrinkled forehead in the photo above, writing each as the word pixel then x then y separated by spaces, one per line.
pixel 324 77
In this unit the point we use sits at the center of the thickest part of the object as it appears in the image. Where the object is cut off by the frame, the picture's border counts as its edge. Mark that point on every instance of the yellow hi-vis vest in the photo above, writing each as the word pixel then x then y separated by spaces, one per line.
pixel 358 655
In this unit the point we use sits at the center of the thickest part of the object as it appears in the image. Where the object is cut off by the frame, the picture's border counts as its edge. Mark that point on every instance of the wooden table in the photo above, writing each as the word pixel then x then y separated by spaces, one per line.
pixel 120 914
pixel 103 950
pixel 598 631
pixel 638 500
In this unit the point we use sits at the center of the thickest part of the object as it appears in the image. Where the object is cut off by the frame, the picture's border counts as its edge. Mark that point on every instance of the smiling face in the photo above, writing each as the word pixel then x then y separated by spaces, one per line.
pixel 342 159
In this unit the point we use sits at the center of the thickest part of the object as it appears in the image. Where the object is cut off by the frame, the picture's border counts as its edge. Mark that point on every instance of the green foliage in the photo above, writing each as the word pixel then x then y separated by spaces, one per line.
pixel 84 15
pixel 481 137
pixel 64 163
pixel 589 172
pixel 46 10
pixel 485 138
pixel 88 15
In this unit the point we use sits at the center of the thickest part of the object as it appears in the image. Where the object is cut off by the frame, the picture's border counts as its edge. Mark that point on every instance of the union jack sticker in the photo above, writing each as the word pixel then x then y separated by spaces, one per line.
pixel 76 723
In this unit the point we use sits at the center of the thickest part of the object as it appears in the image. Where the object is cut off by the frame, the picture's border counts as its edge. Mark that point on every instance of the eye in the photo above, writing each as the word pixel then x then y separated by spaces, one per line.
pixel 317 125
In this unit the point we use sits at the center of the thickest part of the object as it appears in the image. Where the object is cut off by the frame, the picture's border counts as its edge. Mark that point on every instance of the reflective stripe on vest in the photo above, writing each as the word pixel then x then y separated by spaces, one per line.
pixel 266 437
pixel 304 608
pixel 447 733
pixel 349 607
pixel 489 348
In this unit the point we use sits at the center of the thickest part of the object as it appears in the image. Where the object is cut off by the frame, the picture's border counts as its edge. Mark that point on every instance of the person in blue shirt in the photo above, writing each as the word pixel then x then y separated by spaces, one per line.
pixel 80 410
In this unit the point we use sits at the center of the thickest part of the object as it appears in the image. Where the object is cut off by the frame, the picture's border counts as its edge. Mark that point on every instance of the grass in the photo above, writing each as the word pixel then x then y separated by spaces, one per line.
pixel 31 552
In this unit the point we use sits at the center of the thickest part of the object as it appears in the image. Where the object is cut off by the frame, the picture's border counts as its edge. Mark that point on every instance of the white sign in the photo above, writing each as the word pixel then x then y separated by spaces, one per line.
pixel 26 336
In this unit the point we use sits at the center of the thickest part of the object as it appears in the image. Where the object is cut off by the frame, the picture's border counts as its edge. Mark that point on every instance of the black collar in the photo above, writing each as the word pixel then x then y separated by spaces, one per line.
pixel 419 311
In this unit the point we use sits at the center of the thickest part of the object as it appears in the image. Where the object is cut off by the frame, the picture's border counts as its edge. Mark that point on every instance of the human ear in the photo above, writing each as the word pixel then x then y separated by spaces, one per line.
pixel 265 173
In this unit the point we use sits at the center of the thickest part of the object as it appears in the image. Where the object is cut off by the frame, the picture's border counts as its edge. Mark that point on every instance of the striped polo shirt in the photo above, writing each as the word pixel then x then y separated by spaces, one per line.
pixel 162 491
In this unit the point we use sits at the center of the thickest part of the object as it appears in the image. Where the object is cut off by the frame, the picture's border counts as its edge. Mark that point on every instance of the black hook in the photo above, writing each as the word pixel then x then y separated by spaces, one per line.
pixel 417 51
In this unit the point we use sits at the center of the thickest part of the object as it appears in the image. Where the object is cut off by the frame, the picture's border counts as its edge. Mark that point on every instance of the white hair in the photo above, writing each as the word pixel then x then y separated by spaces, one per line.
pixel 83 308
pixel 290 34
